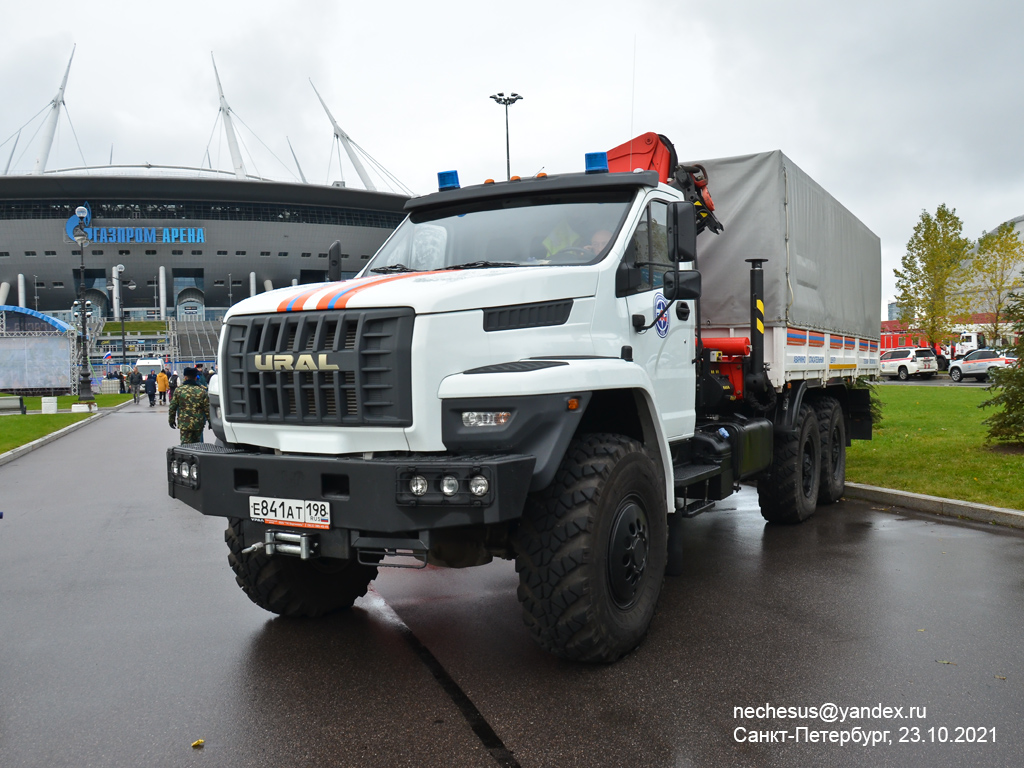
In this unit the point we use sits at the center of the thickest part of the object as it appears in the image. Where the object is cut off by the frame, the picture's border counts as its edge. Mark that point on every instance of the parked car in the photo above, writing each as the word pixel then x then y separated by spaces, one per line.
pixel 903 363
pixel 979 363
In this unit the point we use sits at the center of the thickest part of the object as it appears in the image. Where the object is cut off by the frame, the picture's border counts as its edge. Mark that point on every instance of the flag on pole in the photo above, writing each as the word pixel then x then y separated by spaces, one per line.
pixel 108 356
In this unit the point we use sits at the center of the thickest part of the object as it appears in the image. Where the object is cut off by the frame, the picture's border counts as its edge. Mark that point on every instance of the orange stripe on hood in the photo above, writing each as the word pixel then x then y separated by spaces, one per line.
pixel 339 299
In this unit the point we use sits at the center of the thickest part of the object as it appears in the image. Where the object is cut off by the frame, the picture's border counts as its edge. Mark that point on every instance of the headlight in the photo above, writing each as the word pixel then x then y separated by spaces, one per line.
pixel 418 485
pixel 449 485
pixel 478 485
pixel 195 472
pixel 485 418
pixel 174 467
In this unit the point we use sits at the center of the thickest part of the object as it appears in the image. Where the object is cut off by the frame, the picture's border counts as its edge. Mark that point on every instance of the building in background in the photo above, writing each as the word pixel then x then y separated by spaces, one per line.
pixel 193 240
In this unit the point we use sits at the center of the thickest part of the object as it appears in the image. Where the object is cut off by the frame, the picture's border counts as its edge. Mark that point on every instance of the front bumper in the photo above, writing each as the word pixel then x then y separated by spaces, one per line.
pixel 366 495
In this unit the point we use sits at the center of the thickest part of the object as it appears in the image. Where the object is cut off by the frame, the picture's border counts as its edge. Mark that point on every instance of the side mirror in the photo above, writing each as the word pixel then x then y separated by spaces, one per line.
pixel 682 285
pixel 682 232
pixel 334 262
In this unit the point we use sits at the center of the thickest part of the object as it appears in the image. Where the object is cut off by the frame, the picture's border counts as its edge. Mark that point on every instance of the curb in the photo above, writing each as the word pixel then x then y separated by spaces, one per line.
pixel 936 505
pixel 21 450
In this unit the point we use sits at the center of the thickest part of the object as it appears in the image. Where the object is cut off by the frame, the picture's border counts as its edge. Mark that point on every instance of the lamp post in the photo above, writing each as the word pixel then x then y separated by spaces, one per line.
pixel 83 309
pixel 130 285
pixel 35 288
pixel 501 98
pixel 229 289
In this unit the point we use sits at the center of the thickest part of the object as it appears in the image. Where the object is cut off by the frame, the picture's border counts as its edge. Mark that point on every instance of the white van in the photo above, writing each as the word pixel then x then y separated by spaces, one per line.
pixel 147 365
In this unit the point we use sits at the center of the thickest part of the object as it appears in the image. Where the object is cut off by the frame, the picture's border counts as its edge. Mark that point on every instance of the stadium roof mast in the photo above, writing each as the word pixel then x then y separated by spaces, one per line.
pixel 229 128
pixel 346 142
pixel 51 120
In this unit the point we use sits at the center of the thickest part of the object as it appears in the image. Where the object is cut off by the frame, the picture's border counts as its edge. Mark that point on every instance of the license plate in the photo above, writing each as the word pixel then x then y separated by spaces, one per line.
pixel 296 513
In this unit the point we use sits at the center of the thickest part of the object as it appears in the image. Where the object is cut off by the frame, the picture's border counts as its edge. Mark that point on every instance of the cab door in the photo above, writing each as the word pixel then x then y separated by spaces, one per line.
pixel 666 349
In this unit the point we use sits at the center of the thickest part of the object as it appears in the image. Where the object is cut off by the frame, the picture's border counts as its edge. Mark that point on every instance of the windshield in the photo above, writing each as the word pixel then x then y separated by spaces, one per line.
pixel 536 230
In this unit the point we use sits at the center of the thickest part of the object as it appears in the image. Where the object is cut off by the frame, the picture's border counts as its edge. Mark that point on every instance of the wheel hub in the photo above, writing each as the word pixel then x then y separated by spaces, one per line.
pixel 627 551
pixel 808 469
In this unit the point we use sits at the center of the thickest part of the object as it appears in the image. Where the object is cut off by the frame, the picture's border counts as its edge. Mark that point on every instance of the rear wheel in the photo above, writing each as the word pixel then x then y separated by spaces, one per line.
pixel 956 374
pixel 592 549
pixel 289 586
pixel 832 435
pixel 788 493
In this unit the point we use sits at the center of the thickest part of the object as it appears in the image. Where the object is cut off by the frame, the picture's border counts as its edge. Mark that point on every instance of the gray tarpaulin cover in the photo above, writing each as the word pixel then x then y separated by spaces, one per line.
pixel 829 278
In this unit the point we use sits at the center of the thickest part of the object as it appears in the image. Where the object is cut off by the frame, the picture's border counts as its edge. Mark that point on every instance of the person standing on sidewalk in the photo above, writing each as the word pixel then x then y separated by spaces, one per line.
pixel 135 380
pixel 190 409
pixel 151 388
pixel 161 386
pixel 172 384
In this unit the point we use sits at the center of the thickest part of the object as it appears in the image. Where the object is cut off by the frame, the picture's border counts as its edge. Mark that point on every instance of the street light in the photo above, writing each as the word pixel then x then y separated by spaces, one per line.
pixel 35 287
pixel 83 309
pixel 501 98
pixel 229 289
pixel 130 285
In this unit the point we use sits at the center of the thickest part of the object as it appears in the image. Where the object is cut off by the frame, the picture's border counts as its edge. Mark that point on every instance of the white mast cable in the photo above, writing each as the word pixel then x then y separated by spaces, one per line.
pixel 8 166
pixel 347 143
pixel 229 129
pixel 301 174
pixel 51 120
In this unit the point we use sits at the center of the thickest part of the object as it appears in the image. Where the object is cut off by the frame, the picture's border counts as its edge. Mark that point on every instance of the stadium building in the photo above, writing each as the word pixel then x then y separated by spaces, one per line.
pixel 193 240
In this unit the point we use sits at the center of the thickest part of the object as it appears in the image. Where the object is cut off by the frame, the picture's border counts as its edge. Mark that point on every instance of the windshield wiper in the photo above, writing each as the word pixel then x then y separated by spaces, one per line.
pixel 483 265
pixel 393 268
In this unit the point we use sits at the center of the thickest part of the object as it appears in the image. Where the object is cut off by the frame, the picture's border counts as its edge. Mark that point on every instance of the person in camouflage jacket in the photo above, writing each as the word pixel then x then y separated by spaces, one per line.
pixel 190 407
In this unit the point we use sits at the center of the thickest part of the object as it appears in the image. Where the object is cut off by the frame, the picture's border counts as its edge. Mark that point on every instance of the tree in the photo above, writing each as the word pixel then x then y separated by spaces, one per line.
pixel 930 286
pixel 1007 424
pixel 997 274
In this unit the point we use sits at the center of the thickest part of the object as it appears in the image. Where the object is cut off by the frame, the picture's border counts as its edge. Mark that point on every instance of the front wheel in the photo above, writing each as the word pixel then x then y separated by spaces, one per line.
pixel 956 375
pixel 289 586
pixel 788 493
pixel 592 550
pixel 902 374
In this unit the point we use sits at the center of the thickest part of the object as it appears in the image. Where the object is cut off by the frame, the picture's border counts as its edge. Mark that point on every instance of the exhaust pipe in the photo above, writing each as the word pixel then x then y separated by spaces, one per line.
pixel 757 389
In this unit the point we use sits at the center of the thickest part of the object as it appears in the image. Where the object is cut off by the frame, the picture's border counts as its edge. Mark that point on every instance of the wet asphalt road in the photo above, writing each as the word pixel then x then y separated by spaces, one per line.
pixel 123 639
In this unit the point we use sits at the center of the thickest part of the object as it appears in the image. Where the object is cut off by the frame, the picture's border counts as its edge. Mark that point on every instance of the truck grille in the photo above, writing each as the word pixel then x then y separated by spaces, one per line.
pixel 335 368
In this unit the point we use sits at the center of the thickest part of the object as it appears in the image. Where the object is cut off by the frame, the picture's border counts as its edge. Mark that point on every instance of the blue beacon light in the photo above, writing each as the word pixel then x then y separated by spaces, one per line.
pixel 447 180
pixel 597 162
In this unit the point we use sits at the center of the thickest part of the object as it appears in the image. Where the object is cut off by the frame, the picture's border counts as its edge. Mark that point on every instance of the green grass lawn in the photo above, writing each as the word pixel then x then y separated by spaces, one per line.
pixel 113 328
pixel 19 430
pixel 932 440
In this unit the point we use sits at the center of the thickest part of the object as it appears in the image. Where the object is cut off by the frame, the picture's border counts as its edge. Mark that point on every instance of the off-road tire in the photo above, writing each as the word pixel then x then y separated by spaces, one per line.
pixel 592 549
pixel 902 374
pixel 292 587
pixel 832 436
pixel 788 493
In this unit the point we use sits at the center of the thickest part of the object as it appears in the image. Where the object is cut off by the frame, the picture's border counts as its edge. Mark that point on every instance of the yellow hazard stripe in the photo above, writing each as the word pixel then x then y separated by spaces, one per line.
pixel 842 366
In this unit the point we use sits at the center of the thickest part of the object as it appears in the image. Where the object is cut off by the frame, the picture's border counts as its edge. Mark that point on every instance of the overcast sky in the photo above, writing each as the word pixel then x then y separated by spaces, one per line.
pixel 893 106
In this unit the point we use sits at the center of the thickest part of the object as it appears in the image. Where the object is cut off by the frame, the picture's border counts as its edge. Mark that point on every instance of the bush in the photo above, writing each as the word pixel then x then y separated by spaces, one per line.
pixel 1007 424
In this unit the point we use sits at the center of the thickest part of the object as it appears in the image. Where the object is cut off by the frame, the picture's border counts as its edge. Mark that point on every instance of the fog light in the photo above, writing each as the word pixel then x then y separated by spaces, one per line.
pixel 418 485
pixel 449 485
pixel 478 485
pixel 485 418
pixel 195 471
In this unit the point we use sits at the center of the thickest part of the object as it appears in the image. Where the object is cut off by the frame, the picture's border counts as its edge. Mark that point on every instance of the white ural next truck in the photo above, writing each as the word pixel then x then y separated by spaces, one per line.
pixel 547 370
